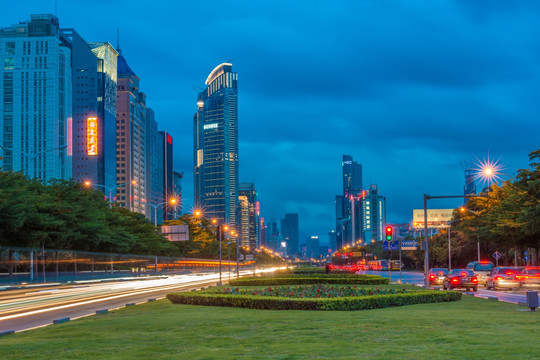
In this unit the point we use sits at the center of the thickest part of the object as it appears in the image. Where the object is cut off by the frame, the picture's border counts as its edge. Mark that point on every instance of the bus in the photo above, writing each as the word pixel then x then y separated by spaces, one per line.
pixel 395 265
pixel 379 265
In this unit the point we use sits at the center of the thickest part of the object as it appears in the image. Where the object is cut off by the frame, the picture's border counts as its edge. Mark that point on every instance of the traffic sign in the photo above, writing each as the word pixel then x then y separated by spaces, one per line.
pixel 394 245
pixel 408 245
pixel 497 255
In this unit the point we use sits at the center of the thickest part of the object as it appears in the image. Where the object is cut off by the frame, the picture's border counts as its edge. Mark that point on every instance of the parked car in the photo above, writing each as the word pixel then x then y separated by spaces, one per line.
pixel 460 278
pixel 436 276
pixel 481 269
pixel 529 277
pixel 503 277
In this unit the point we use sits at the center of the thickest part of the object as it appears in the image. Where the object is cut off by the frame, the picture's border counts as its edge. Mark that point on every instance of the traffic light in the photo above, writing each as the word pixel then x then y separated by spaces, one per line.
pixel 389 231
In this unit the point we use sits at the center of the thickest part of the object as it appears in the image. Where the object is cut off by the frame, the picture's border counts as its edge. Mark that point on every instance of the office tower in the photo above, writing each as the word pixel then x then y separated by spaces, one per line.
pixel 215 146
pixel 262 236
pixel 248 228
pixel 35 107
pixel 348 209
pixel 168 188
pixel 94 67
pixel 312 248
pixel 332 240
pixel 374 215
pixel 272 235
pixel 177 191
pixel 154 183
pixel 130 140
pixel 289 232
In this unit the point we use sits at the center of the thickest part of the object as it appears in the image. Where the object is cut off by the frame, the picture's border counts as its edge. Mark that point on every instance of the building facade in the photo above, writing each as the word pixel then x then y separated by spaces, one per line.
pixel 348 204
pixel 36 96
pixel 290 233
pixel 249 225
pixel 215 152
pixel 374 215
pixel 130 140
pixel 94 67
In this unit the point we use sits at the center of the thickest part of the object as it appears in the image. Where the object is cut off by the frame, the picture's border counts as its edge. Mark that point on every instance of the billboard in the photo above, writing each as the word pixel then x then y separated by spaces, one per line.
pixel 176 232
pixel 437 218
pixel 91 136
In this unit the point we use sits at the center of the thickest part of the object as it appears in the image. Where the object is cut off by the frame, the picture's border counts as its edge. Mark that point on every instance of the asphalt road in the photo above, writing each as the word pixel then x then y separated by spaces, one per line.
pixel 28 308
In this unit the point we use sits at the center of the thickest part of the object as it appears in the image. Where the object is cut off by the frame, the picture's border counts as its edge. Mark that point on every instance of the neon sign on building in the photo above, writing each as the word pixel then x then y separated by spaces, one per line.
pixel 91 136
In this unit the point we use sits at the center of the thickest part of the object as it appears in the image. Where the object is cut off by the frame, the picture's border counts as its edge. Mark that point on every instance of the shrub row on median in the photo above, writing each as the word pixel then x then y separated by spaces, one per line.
pixel 299 280
pixel 335 304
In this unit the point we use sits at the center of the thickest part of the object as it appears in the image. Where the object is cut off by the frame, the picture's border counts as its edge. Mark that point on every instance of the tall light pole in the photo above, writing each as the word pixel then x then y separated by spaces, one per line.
pixel 172 201
pixel 110 189
pixel 32 156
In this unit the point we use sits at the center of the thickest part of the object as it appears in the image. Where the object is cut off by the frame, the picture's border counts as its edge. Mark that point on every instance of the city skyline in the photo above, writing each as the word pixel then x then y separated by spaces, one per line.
pixel 408 91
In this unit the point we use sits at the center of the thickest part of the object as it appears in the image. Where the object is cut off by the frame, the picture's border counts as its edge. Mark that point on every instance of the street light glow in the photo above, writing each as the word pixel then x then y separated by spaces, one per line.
pixel 488 171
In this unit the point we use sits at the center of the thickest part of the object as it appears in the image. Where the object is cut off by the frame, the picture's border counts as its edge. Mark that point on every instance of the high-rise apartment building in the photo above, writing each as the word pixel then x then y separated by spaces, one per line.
pixel 374 215
pixel 94 67
pixel 289 233
pixel 215 146
pixel 130 140
pixel 35 103
pixel 248 228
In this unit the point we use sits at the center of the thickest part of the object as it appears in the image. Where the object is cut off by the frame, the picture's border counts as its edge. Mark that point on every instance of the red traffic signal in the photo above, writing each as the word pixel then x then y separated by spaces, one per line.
pixel 389 231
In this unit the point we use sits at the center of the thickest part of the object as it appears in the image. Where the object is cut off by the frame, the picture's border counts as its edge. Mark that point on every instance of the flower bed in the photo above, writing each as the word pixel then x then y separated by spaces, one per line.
pixel 277 299
pixel 313 291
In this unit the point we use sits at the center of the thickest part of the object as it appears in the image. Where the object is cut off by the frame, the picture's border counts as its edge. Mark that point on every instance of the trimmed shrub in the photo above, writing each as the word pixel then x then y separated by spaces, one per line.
pixel 327 304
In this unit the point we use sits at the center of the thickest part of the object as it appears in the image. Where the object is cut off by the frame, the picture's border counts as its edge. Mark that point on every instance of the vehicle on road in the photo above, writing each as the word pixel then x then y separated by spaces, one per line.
pixel 436 276
pixel 460 278
pixel 395 265
pixel 529 277
pixel 481 269
pixel 503 278
pixel 378 265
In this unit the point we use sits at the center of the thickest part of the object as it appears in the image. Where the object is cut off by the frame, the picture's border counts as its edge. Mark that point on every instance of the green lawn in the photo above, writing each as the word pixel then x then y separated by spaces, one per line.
pixel 468 329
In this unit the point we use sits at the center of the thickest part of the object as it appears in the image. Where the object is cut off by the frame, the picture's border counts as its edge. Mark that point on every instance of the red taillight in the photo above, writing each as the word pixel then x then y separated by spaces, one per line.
pixel 521 277
pixel 464 274
pixel 474 279
pixel 455 279
pixel 432 277
pixel 498 278
pixel 509 273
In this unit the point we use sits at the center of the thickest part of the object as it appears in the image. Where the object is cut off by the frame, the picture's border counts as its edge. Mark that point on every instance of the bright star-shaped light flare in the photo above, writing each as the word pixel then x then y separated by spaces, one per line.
pixel 488 171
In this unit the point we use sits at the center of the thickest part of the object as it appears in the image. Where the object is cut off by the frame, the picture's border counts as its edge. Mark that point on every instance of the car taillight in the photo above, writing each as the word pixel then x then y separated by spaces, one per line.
pixel 509 273
pixel 464 274
pixel 498 278
pixel 455 279
pixel 432 277
pixel 474 279
pixel 521 277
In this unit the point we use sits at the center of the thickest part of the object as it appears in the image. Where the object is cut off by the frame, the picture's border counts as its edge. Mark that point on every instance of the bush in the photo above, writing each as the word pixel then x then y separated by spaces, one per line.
pixel 301 280
pixel 327 304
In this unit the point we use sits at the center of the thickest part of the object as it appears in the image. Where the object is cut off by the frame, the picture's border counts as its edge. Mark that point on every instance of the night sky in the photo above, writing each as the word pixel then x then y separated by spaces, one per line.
pixel 410 89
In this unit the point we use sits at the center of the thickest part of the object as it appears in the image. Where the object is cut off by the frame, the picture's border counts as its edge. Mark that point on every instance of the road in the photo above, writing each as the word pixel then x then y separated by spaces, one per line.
pixel 28 308
pixel 417 278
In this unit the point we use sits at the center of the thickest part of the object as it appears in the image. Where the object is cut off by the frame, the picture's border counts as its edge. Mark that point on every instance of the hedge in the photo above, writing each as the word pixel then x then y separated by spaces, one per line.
pixel 330 275
pixel 335 304
pixel 298 280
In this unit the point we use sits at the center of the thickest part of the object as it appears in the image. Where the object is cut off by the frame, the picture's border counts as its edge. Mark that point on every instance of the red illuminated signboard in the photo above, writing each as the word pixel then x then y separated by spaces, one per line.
pixel 91 136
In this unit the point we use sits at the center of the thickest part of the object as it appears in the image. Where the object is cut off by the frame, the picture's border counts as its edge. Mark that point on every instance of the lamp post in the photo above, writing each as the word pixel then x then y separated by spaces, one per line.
pixel 172 201
pixel 110 189
pixel 32 156
pixel 463 209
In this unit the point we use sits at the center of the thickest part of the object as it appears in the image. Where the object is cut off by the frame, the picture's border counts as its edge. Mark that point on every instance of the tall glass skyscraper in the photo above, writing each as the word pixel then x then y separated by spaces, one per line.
pixel 215 146
pixel 35 107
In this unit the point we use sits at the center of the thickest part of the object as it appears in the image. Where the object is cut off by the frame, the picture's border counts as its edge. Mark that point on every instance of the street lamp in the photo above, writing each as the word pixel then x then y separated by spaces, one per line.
pixel 172 201
pixel 220 230
pixel 32 156
pixel 110 189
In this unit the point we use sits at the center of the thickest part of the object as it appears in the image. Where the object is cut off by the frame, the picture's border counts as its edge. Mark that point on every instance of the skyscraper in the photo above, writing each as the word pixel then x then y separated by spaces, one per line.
pixel 348 209
pixel 94 111
pixel 131 140
pixel 35 108
pixel 289 232
pixel 374 215
pixel 249 215
pixel 215 146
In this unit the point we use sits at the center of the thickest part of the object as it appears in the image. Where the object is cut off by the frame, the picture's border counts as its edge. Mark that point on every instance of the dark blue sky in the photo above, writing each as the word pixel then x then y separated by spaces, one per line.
pixel 408 88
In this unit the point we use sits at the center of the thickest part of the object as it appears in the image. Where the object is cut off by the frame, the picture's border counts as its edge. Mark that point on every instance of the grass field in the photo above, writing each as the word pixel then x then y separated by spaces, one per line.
pixel 468 329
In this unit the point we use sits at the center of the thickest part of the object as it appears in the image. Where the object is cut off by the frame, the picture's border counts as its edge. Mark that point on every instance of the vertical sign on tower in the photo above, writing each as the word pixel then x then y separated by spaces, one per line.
pixel 91 136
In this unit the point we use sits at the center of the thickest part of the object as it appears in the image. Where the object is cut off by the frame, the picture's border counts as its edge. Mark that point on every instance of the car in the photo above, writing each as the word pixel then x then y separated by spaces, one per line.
pixel 481 269
pixel 529 276
pixel 436 276
pixel 460 278
pixel 503 277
